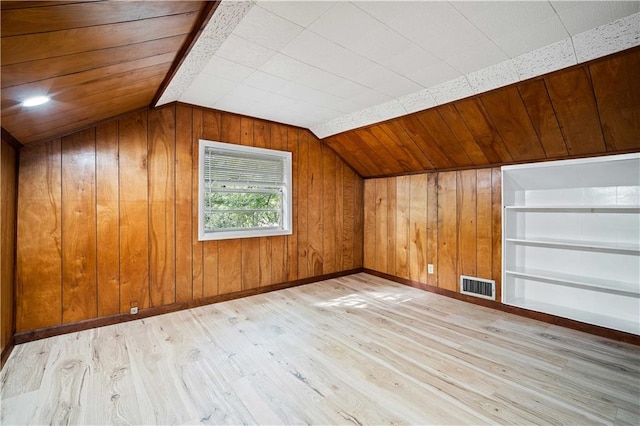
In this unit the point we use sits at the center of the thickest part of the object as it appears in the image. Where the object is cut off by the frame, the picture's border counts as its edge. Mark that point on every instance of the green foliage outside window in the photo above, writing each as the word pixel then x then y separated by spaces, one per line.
pixel 238 210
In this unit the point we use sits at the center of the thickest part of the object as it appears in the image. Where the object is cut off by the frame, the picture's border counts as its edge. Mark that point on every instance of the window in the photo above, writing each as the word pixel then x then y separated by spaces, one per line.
pixel 244 191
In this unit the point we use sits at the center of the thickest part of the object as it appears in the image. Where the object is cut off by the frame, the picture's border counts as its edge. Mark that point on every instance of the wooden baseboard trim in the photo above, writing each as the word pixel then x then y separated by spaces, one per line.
pixel 28 336
pixel 540 316
pixel 4 356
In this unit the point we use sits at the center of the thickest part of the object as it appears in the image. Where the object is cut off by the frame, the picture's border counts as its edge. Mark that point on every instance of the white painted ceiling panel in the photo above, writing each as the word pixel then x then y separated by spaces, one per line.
pixel 332 66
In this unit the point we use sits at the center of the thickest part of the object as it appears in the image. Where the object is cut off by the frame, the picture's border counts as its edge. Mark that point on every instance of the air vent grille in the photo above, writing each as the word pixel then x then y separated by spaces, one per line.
pixel 478 287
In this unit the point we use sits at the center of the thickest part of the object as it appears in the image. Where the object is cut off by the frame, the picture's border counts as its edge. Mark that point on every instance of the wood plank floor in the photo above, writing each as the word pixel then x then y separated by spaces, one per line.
pixel 353 350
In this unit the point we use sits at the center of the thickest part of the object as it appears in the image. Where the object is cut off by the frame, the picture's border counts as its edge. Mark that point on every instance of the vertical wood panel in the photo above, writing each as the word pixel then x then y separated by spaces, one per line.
pixel 466 211
pixel 370 220
pixel 197 280
pixel 418 228
pixel 134 243
pixel 338 236
pixel 447 231
pixel 79 291
pixel 184 215
pixel 329 214
pixel 211 123
pixel 358 224
pixel 403 200
pixel 496 209
pixel 381 225
pixel 314 208
pixel 8 215
pixel 348 238
pixel 39 289
pixel 391 224
pixel 432 226
pixel 162 206
pixel 484 221
pixel 107 200
pixel 574 104
pixel 230 276
pixel 303 200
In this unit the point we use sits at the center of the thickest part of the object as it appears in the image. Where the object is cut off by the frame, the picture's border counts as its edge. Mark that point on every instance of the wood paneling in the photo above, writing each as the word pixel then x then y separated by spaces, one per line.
pixel 451 220
pixel 134 212
pixel 590 109
pixel 123 195
pixel 79 289
pixel 574 103
pixel 107 209
pixel 95 59
pixel 39 246
pixel 616 85
pixel 8 185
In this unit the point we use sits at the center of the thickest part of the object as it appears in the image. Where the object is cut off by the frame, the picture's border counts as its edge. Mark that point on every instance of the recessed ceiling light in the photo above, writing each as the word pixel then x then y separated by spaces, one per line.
pixel 35 101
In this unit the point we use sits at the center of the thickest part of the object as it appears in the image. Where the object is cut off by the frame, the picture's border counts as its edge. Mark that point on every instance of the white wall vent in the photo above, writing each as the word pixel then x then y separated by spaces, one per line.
pixel 478 287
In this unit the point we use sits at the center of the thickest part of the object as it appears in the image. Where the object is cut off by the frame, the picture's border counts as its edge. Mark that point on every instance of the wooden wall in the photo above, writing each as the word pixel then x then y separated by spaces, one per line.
pixel 8 179
pixel 107 217
pixel 586 110
pixel 449 219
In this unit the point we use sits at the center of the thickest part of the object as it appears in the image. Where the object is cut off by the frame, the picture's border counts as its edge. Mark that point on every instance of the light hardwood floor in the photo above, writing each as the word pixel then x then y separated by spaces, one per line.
pixel 353 350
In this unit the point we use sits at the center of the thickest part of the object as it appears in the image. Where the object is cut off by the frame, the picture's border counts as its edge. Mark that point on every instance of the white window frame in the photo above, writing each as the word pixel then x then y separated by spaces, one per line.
pixel 287 204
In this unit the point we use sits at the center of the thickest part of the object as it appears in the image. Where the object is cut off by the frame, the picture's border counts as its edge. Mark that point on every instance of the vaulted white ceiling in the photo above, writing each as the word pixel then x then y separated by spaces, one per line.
pixel 332 66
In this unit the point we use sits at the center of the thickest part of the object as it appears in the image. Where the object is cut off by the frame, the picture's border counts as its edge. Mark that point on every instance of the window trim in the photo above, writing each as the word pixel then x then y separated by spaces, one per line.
pixel 287 193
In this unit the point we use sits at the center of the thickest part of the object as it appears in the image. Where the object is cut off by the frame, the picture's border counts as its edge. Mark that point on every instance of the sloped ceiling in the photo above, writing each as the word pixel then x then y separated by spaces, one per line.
pixel 333 66
pixel 586 110
pixel 95 59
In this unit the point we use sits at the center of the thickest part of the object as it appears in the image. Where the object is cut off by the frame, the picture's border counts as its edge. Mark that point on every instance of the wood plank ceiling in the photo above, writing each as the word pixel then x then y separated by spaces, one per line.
pixel 586 110
pixel 95 59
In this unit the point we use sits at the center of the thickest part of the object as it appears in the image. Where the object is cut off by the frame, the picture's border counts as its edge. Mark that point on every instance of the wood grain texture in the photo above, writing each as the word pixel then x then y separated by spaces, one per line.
pixel 447 231
pixel 370 223
pixel 134 212
pixel 392 207
pixel 381 228
pixel 92 57
pixel 591 109
pixel 39 289
pixel 418 228
pixel 162 251
pixel 536 100
pixel 184 216
pixel 574 103
pixel 466 209
pixel 197 279
pixel 402 215
pixel 107 216
pixel 451 220
pixel 8 211
pixel 303 355
pixel 79 284
pixel 146 210
pixel 617 92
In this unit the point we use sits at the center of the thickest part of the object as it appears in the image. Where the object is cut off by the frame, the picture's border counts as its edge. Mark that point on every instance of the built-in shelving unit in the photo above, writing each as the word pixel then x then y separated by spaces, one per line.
pixel 571 239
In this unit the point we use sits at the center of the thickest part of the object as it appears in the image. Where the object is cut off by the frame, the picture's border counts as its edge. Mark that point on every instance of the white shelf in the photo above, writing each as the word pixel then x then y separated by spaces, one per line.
pixel 578 208
pixel 623 248
pixel 591 283
pixel 581 217
pixel 578 315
